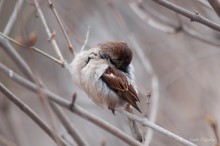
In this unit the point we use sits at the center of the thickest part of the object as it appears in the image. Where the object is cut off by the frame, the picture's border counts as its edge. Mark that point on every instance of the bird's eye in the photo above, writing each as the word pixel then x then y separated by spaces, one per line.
pixel 103 55
pixel 88 59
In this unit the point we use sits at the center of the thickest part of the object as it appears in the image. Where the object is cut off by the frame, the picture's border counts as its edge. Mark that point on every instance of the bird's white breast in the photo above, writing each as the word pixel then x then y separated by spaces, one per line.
pixel 88 78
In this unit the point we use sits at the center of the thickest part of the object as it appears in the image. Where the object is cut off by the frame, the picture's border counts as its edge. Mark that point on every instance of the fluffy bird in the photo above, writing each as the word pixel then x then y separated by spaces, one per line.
pixel 105 73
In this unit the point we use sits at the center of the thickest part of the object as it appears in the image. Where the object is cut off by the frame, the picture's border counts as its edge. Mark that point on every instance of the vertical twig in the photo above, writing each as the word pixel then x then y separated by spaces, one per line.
pixel 86 39
pixel 49 33
pixel 154 85
pixel 52 7
pixel 1 4
pixel 13 17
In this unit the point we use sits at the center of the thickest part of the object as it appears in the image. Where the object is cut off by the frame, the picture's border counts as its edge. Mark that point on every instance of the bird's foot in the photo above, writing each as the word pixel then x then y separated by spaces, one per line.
pixel 112 108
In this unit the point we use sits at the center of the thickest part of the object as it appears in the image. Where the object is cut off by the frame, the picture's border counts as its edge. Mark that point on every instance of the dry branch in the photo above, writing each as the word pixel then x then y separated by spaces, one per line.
pixel 84 114
pixel 52 7
pixel 48 31
pixel 68 126
pixel 146 122
pixel 13 17
pixel 192 16
pixel 27 110
pixel 66 104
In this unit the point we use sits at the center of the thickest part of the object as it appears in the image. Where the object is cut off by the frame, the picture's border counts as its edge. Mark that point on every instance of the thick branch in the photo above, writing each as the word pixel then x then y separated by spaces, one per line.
pixel 192 16
pixel 67 124
pixel 146 122
pixel 92 118
pixel 66 104
pixel 26 109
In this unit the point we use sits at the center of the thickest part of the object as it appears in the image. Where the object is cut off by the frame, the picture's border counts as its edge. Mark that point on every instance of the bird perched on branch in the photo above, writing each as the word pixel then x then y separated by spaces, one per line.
pixel 105 73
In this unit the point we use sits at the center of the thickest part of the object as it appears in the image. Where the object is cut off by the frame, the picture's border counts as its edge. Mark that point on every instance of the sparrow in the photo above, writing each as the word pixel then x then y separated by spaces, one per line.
pixel 105 73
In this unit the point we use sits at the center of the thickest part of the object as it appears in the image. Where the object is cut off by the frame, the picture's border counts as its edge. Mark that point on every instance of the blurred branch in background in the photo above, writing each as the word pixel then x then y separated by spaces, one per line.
pixel 13 17
pixel 150 21
pixel 5 142
pixel 192 16
pixel 26 109
pixel 205 3
pixel 154 87
pixel 215 5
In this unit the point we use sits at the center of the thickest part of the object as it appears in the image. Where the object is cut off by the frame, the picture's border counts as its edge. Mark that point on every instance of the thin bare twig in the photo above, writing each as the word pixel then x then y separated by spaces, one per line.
pixel 13 17
pixel 48 31
pixel 1 4
pixel 17 58
pixel 66 104
pixel 9 49
pixel 212 122
pixel 192 16
pixel 215 5
pixel 154 85
pixel 86 39
pixel 200 37
pixel 27 110
pixel 205 3
pixel 146 122
pixel 34 48
pixel 151 22
pixel 52 7
pixel 67 124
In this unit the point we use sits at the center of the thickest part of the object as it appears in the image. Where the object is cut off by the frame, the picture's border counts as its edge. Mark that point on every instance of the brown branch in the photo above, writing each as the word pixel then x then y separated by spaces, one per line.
pixel 66 104
pixel 48 31
pixel 192 16
pixel 52 7
pixel 150 21
pixel 146 122
pixel 27 110
pixel 34 48
pixel 92 118
pixel 18 60
pixel 215 5
pixel 67 124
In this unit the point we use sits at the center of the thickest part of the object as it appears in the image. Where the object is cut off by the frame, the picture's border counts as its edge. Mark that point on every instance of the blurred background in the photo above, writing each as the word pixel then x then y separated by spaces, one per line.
pixel 174 58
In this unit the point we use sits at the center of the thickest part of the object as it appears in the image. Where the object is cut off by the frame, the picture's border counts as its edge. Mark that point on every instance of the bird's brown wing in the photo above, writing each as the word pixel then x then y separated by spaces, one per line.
pixel 118 82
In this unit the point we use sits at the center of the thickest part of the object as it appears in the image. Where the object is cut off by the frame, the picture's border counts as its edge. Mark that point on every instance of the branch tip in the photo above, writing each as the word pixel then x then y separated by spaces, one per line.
pixel 73 101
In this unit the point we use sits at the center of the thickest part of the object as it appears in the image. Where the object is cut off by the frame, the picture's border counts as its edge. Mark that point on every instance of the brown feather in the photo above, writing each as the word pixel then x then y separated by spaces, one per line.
pixel 119 52
pixel 118 82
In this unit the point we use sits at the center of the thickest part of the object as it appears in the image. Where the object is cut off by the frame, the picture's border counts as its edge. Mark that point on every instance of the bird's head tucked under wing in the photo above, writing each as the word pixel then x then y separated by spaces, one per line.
pixel 118 53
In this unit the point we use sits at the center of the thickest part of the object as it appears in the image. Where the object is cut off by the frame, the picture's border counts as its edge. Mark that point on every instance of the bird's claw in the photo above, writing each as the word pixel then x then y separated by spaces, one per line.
pixel 112 108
